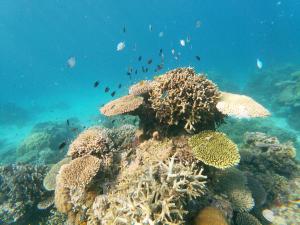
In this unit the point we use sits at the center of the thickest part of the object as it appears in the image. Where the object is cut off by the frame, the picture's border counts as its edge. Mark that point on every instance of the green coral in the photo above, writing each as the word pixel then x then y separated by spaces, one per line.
pixel 245 218
pixel 214 149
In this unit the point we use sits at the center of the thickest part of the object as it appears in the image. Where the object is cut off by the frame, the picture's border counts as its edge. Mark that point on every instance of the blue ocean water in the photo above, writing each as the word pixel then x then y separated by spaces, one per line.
pixel 38 37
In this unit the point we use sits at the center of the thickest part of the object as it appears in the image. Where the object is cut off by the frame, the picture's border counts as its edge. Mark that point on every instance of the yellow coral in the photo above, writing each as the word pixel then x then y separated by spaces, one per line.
pixel 214 149
pixel 240 106
pixel 210 216
pixel 122 105
pixel 92 141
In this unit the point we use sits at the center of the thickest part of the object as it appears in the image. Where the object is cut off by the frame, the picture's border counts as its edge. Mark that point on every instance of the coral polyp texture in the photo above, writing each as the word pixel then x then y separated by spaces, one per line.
pixel 92 141
pixel 210 216
pixel 122 105
pixel 214 149
pixel 181 97
pixel 240 106
pixel 141 88
pixel 245 218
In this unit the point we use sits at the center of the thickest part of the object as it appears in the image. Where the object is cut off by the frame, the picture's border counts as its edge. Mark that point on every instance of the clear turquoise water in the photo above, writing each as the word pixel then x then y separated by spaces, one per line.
pixel 38 37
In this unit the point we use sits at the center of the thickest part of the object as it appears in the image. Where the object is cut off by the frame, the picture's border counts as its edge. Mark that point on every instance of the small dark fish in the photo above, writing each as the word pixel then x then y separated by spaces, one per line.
pixel 124 29
pixel 146 70
pixel 102 105
pixel 96 84
pixel 159 67
pixel 128 73
pixel 140 58
pixel 113 94
pixel 113 121
pixel 197 57
pixel 143 69
pixel 119 86
pixel 160 52
pixel 136 71
pixel 62 145
pixel 106 89
pixel 68 122
pixel 74 129
pixel 149 61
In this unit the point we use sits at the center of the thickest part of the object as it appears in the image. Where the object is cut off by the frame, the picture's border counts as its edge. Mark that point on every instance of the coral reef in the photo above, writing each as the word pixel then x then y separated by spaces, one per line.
pixel 240 106
pixel 141 88
pixel 179 101
pixel 214 149
pixel 210 216
pixel 271 154
pixel 21 189
pixel 125 104
pixel 182 98
pixel 155 195
pixel 92 141
pixel 241 199
pixel 49 181
pixel 245 218
pixel 42 144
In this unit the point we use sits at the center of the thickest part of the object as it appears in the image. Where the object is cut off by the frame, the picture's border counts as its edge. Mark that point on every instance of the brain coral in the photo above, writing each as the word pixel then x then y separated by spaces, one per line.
pixel 182 98
pixel 50 179
pixel 240 106
pixel 122 105
pixel 214 149
pixel 92 141
pixel 210 216
pixel 245 218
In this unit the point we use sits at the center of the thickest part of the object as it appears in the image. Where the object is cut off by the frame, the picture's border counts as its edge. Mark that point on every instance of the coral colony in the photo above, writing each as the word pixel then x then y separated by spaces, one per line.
pixel 174 168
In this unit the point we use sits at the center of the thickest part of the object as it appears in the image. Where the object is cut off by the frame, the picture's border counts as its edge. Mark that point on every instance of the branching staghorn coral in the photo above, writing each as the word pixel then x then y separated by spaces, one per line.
pixel 155 195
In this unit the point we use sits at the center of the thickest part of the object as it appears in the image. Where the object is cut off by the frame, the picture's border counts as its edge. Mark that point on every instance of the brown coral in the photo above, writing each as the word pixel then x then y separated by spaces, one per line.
pixel 72 180
pixel 92 141
pixel 49 181
pixel 240 106
pixel 214 149
pixel 141 87
pixel 182 98
pixel 122 105
pixel 79 172
pixel 210 216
